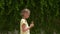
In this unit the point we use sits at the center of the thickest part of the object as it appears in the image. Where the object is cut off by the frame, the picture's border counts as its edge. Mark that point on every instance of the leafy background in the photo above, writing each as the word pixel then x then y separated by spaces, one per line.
pixel 44 13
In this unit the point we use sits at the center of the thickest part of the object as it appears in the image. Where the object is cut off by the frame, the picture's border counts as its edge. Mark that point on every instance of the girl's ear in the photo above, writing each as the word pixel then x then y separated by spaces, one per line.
pixel 22 14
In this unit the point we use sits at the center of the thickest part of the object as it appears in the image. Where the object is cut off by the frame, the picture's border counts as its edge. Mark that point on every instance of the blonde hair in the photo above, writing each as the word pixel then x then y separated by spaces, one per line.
pixel 25 10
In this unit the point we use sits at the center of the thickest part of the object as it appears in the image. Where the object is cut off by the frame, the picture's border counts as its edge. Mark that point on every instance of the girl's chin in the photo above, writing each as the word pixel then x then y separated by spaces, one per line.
pixel 27 18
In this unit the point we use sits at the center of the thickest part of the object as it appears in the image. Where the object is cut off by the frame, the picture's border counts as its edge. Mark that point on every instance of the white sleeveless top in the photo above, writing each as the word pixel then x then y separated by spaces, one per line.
pixel 25 22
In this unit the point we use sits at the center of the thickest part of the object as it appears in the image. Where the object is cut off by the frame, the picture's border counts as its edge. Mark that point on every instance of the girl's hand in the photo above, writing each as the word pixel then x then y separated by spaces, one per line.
pixel 32 24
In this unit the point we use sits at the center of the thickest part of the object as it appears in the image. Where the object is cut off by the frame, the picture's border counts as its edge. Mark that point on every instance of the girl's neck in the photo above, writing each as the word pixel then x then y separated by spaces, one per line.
pixel 23 18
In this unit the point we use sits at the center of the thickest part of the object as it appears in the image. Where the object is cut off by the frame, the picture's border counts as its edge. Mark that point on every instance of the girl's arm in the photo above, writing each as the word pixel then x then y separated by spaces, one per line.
pixel 26 28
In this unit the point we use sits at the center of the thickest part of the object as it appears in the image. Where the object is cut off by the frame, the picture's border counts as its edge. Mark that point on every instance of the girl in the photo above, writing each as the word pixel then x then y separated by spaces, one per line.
pixel 24 28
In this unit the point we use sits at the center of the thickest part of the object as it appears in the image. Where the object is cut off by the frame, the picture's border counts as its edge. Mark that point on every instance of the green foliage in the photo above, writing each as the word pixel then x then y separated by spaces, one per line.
pixel 44 13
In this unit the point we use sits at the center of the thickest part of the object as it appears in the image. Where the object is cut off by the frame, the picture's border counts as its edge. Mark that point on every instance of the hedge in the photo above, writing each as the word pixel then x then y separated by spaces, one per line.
pixel 44 13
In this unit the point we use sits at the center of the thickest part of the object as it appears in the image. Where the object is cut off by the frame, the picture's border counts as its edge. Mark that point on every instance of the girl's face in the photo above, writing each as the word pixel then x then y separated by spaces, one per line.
pixel 26 15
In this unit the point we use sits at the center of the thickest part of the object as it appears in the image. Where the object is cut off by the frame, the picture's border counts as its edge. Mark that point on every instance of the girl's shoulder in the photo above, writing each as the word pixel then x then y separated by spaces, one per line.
pixel 23 20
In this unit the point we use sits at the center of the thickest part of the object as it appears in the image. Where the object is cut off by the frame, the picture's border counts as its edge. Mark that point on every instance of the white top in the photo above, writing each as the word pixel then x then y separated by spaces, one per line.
pixel 23 21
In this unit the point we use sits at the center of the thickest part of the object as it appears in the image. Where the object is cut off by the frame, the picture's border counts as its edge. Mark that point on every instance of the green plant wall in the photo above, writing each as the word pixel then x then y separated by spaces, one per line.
pixel 44 13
